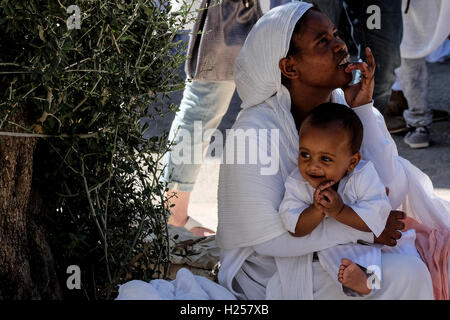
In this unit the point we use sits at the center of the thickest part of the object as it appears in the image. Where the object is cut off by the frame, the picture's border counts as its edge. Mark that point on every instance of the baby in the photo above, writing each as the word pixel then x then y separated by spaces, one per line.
pixel 332 181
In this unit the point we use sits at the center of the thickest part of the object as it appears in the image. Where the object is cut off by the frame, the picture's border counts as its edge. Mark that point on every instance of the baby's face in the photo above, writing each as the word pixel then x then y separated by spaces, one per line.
pixel 325 154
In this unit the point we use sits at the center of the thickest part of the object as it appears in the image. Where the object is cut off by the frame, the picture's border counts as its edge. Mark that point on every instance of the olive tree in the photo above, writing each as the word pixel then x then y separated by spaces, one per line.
pixel 79 185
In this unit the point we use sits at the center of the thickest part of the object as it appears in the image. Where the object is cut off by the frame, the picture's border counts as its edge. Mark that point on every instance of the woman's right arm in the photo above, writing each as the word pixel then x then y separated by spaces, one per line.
pixel 378 145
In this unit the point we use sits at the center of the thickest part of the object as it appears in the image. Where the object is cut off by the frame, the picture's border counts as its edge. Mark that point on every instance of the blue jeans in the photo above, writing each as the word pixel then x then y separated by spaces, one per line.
pixel 202 101
pixel 384 42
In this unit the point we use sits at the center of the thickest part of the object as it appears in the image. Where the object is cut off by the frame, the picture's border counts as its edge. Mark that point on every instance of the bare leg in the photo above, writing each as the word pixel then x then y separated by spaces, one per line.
pixel 179 212
pixel 351 276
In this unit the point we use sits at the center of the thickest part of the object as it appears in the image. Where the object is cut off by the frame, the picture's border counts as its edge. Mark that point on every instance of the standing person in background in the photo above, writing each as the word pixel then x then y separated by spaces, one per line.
pixel 223 27
pixel 425 25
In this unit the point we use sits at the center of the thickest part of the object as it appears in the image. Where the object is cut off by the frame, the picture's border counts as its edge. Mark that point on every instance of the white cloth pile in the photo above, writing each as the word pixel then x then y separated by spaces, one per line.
pixel 186 286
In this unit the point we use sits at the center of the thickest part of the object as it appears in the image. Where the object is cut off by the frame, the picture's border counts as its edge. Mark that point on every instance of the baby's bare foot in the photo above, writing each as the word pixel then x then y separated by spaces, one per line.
pixel 351 276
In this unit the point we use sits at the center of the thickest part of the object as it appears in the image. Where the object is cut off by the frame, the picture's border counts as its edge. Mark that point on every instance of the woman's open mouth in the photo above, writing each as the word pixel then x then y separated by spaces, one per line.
pixel 344 62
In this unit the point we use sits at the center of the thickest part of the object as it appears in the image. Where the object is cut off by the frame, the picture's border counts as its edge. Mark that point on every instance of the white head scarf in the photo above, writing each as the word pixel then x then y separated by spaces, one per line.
pixel 258 81
pixel 256 71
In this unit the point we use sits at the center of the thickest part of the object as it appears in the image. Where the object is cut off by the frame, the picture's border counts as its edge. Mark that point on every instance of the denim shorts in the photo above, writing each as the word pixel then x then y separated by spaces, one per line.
pixel 203 103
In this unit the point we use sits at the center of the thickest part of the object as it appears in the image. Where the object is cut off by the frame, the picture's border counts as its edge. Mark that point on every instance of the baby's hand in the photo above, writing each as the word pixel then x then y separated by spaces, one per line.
pixel 329 200
pixel 317 195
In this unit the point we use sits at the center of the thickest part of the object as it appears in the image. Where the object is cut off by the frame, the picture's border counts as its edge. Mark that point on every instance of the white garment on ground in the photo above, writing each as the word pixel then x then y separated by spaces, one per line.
pixel 186 286
pixel 248 202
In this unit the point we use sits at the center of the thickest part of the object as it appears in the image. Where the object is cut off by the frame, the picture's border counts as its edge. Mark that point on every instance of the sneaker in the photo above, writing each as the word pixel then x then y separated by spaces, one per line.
pixel 418 138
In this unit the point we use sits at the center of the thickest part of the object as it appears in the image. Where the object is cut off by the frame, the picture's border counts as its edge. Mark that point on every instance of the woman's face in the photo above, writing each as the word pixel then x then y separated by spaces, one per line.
pixel 322 54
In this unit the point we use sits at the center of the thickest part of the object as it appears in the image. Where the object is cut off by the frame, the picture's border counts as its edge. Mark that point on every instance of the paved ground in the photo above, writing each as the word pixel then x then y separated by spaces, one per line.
pixel 434 161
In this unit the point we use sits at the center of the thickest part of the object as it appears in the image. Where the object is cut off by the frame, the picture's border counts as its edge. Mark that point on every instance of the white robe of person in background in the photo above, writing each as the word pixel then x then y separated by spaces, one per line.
pixel 425 27
pixel 425 31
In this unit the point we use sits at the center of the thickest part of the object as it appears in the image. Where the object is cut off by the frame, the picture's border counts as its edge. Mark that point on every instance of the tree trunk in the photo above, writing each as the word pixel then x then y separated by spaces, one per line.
pixel 26 263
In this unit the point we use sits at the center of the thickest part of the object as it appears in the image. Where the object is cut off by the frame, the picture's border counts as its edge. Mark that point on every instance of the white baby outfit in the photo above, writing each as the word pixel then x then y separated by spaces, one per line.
pixel 363 191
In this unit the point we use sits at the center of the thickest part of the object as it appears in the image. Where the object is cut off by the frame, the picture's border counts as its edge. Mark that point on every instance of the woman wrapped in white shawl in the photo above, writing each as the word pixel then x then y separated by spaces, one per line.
pixel 260 259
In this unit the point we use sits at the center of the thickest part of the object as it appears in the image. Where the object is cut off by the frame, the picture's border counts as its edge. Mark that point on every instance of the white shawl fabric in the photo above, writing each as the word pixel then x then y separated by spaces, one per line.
pixel 248 202
pixel 425 27
pixel 186 286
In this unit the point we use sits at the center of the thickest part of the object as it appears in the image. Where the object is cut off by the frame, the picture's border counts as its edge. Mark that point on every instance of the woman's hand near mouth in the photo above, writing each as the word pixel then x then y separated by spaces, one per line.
pixel 361 93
